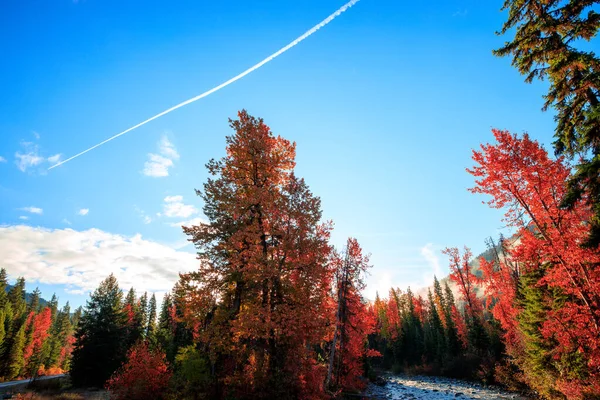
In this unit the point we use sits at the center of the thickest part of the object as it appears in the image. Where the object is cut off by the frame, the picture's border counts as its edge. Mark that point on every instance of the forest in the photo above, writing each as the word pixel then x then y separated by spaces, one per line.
pixel 275 310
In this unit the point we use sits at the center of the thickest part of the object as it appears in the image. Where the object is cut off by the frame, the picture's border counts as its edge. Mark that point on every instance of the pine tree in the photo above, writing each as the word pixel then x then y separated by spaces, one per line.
pixel 151 330
pixel 5 314
pixel 16 297
pixel 60 333
pixel 11 360
pixel 134 324
pixel 53 305
pixel 76 317
pixel 537 361
pixel 99 347
pixel 547 33
pixel 34 301
pixel 435 339
pixel 143 314
pixel 14 361
pixel 3 285
pixel 453 340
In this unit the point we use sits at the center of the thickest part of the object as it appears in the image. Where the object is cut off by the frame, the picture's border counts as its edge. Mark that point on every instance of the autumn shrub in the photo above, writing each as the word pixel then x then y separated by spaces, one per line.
pixel 145 375
pixel 191 373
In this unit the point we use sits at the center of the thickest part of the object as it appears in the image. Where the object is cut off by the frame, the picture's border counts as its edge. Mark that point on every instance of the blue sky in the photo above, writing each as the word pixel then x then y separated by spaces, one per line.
pixel 385 104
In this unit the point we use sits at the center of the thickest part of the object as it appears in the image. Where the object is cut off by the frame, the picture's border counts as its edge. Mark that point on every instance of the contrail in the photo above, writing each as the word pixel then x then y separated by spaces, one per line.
pixel 222 85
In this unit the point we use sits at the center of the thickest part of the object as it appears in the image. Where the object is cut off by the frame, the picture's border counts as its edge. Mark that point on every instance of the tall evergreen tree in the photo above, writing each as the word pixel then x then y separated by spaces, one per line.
pixel 548 45
pixel 61 330
pixel 11 352
pixel 435 340
pixel 13 357
pixel 5 314
pixel 143 313
pixel 99 346
pixel 53 306
pixel 151 330
pixel 134 324
pixel 453 341
pixel 34 301
pixel 3 285
pixel 16 297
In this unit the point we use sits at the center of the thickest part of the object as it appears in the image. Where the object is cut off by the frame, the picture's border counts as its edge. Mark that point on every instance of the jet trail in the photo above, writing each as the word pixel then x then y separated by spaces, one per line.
pixel 222 85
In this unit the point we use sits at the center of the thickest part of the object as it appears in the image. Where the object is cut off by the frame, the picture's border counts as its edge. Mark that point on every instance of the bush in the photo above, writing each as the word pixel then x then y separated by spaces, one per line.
pixel 145 375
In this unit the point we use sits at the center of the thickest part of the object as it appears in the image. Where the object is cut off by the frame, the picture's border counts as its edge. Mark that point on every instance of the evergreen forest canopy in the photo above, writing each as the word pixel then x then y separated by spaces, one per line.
pixel 275 311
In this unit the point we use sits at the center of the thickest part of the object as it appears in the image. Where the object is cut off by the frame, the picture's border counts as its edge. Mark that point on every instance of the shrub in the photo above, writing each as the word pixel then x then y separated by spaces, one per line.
pixel 145 375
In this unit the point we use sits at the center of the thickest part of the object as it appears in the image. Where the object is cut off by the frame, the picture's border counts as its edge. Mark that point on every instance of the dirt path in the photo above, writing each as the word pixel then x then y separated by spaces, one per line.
pixel 435 388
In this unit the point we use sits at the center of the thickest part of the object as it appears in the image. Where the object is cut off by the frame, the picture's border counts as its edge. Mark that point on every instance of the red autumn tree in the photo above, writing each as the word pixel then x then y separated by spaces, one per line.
pixel 145 375
pixel 465 279
pixel 353 321
pixel 259 302
pixel 39 327
pixel 521 178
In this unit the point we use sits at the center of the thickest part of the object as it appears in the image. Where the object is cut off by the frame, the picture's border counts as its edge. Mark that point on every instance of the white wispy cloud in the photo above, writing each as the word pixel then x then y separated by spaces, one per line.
pixel 28 159
pixel 83 211
pixel 158 164
pixel 35 134
pixel 433 260
pixel 82 259
pixel 66 221
pixel 145 217
pixel 54 159
pixel 174 207
pixel 24 217
pixel 33 210
pixel 2 159
pixel 29 156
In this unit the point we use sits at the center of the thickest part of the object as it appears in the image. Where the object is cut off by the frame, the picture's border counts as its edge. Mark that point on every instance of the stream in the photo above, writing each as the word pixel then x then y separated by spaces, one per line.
pixel 431 387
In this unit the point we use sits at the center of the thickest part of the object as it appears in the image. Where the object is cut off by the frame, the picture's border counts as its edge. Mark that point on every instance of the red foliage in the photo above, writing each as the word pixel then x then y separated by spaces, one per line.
pixel 461 274
pixel 262 289
pixel 145 375
pixel 39 325
pixel 355 319
pixel 393 314
pixel 520 176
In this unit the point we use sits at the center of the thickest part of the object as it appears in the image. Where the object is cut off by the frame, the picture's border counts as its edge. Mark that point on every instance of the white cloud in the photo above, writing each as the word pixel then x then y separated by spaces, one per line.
pixel 82 259
pixel 33 210
pixel 432 259
pixel 167 148
pixel 83 211
pixel 145 217
pixel 174 207
pixel 66 221
pixel 158 164
pixel 24 217
pixel 54 159
pixel 27 160
pixel 29 156
pixel 2 159
pixel 35 134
